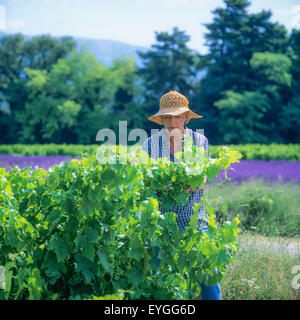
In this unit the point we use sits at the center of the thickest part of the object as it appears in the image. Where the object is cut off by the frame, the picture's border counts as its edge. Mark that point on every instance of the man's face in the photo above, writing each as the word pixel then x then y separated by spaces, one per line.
pixel 171 122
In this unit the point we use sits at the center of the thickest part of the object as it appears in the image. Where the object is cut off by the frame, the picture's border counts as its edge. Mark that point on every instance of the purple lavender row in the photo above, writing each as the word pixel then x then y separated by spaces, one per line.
pixel 8 161
pixel 246 169
pixel 275 170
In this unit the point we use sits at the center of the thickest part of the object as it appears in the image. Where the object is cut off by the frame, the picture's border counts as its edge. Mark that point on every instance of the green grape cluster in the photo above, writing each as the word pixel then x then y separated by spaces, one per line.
pixel 120 267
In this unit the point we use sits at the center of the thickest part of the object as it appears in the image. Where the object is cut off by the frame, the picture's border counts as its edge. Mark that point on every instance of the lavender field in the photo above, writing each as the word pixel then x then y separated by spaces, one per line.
pixel 275 170
pixel 8 161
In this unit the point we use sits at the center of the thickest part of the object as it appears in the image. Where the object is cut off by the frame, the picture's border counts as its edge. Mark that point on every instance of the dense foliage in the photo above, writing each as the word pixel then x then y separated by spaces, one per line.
pixel 88 228
pixel 265 208
pixel 51 93
pixel 290 152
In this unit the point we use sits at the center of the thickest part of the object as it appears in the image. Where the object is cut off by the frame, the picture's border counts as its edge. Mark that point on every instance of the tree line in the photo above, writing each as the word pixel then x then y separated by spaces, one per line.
pixel 246 87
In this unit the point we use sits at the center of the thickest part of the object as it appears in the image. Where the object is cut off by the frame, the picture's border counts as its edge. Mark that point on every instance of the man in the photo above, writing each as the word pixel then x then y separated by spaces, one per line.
pixel 173 114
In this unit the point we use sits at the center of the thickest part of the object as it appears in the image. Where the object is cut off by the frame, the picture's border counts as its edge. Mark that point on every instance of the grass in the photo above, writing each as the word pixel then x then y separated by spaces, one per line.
pixel 262 269
pixel 269 241
pixel 271 209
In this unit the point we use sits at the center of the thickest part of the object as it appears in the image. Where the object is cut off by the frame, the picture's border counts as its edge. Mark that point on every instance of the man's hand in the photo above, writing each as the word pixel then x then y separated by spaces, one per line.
pixel 195 189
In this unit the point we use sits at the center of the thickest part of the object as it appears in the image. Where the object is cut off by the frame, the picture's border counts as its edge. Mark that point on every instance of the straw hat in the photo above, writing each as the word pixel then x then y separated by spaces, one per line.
pixel 173 103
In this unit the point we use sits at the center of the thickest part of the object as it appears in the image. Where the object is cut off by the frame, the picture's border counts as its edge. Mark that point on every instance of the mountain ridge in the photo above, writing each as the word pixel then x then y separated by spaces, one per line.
pixel 105 50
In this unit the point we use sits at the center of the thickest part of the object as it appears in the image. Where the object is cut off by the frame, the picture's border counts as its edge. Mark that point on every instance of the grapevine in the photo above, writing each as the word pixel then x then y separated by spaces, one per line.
pixel 82 228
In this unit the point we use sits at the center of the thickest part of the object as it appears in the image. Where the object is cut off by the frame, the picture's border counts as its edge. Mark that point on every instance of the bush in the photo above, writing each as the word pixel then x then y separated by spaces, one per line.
pixel 82 230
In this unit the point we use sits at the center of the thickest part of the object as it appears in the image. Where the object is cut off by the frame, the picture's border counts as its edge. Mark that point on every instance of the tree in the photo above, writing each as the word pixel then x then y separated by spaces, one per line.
pixel 252 116
pixel 241 115
pixel 168 65
pixel 233 38
pixel 43 51
pixel 65 103
pixel 273 78
pixel 127 95
pixel 15 56
pixel 74 99
pixel 289 117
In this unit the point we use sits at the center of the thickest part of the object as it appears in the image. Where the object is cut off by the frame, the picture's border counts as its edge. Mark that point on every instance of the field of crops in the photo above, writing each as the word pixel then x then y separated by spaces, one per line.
pixel 289 152
pixel 273 170
pixel 75 229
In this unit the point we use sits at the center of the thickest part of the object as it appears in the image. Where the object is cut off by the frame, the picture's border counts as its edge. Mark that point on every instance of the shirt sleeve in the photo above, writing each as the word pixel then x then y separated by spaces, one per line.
pixel 206 147
pixel 145 146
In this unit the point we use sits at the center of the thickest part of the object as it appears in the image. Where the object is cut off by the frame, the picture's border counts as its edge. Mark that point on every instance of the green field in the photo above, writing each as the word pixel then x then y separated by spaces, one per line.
pixel 262 269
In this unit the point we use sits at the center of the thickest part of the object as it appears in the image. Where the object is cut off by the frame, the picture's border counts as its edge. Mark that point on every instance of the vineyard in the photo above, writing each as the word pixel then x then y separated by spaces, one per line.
pixel 251 151
pixel 85 214
pixel 87 229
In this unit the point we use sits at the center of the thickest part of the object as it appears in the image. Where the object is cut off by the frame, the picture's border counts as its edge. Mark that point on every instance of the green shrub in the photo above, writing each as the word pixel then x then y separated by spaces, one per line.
pixel 268 208
pixel 84 229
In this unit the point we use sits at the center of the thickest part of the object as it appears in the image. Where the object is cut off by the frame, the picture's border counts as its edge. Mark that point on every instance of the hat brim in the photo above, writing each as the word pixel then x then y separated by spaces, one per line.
pixel 156 117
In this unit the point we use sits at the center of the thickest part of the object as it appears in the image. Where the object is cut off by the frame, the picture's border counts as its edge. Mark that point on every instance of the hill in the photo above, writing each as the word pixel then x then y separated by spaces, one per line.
pixel 105 50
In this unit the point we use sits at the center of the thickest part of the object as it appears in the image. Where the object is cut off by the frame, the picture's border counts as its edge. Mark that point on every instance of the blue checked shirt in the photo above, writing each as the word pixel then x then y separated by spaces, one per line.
pixel 157 147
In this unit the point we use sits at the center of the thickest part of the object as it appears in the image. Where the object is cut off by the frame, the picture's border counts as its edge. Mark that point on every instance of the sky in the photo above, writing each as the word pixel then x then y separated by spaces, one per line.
pixel 130 21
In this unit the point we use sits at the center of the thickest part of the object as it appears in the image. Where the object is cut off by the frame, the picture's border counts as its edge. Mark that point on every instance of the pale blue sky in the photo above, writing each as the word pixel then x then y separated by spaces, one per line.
pixel 130 21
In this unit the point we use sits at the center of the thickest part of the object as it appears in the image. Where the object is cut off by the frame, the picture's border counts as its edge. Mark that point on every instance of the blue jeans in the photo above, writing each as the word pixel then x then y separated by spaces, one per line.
pixel 207 292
